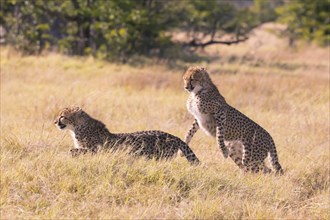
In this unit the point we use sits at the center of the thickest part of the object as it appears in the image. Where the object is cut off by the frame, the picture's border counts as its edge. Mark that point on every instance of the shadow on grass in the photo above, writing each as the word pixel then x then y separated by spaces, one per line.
pixel 257 62
pixel 174 57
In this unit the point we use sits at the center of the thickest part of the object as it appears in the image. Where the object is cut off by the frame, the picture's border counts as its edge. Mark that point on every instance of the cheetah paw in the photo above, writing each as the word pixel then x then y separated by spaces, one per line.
pixel 75 152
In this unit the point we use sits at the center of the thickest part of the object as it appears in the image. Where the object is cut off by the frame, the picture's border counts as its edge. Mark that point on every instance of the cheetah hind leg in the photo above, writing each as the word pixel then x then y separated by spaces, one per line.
pixel 247 159
pixel 235 149
pixel 257 166
pixel 261 166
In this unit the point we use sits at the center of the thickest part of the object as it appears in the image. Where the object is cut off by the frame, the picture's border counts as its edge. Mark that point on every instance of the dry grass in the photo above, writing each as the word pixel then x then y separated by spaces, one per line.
pixel 286 94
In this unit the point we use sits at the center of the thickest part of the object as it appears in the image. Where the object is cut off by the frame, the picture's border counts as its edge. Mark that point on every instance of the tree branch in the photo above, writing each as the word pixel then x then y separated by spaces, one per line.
pixel 193 42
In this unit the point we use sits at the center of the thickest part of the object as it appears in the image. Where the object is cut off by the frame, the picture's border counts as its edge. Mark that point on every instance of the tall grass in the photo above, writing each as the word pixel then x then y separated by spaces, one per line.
pixel 40 180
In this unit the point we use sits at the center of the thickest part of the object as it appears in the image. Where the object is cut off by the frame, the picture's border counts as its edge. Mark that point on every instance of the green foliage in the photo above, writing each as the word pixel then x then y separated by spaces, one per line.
pixel 307 20
pixel 114 29
pixel 204 16
pixel 79 27
pixel 212 19
pixel 32 35
pixel 264 10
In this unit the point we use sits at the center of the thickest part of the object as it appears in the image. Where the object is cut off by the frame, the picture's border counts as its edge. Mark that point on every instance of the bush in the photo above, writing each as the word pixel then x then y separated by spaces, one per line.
pixel 307 20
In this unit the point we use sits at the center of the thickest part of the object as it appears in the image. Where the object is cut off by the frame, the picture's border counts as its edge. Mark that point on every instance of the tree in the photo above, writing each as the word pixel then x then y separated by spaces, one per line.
pixel 307 20
pixel 264 10
pixel 30 36
pixel 119 29
pixel 206 21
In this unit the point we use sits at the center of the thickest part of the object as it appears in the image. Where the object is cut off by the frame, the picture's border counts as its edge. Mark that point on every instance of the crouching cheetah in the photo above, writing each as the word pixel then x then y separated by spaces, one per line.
pixel 91 135
pixel 220 120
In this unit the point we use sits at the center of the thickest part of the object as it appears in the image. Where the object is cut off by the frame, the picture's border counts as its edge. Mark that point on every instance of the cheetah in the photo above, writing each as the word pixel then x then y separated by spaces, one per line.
pixel 218 119
pixel 91 135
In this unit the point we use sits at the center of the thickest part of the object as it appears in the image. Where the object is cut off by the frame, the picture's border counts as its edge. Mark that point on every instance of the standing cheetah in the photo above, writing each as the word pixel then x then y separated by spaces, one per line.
pixel 220 120
pixel 90 134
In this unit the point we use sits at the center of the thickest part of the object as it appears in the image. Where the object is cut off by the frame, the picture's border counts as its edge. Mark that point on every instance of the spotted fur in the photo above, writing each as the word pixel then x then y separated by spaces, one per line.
pixel 218 119
pixel 91 135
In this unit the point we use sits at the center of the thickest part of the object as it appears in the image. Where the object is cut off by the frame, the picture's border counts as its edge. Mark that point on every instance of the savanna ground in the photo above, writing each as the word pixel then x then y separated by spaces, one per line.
pixel 284 90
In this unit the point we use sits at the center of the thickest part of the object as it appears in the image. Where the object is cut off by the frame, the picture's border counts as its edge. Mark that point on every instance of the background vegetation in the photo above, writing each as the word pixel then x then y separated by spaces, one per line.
pixel 308 20
pixel 116 30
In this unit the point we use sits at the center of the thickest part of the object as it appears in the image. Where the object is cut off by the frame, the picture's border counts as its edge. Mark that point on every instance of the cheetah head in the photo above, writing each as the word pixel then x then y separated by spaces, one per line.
pixel 68 118
pixel 195 78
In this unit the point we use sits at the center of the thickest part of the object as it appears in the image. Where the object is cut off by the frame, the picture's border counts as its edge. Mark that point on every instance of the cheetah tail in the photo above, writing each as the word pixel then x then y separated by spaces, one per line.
pixel 188 153
pixel 273 159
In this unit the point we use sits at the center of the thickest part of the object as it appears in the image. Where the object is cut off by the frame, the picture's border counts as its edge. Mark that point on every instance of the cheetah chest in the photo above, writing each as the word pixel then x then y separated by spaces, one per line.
pixel 205 121
pixel 75 141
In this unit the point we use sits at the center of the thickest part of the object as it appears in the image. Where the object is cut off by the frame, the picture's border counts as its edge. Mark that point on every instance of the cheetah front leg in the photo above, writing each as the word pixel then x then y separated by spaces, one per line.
pixel 220 132
pixel 75 152
pixel 193 129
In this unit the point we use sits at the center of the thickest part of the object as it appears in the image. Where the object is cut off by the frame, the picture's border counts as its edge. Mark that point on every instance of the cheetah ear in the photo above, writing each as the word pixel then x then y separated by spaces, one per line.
pixel 197 76
pixel 199 73
pixel 77 109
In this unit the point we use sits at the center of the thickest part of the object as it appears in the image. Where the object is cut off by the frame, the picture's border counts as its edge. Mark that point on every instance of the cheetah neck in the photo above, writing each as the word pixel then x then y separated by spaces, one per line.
pixel 197 89
pixel 212 92
pixel 75 141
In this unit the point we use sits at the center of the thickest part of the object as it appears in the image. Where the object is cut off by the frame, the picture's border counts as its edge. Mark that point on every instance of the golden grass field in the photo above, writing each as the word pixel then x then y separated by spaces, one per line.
pixel 286 91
